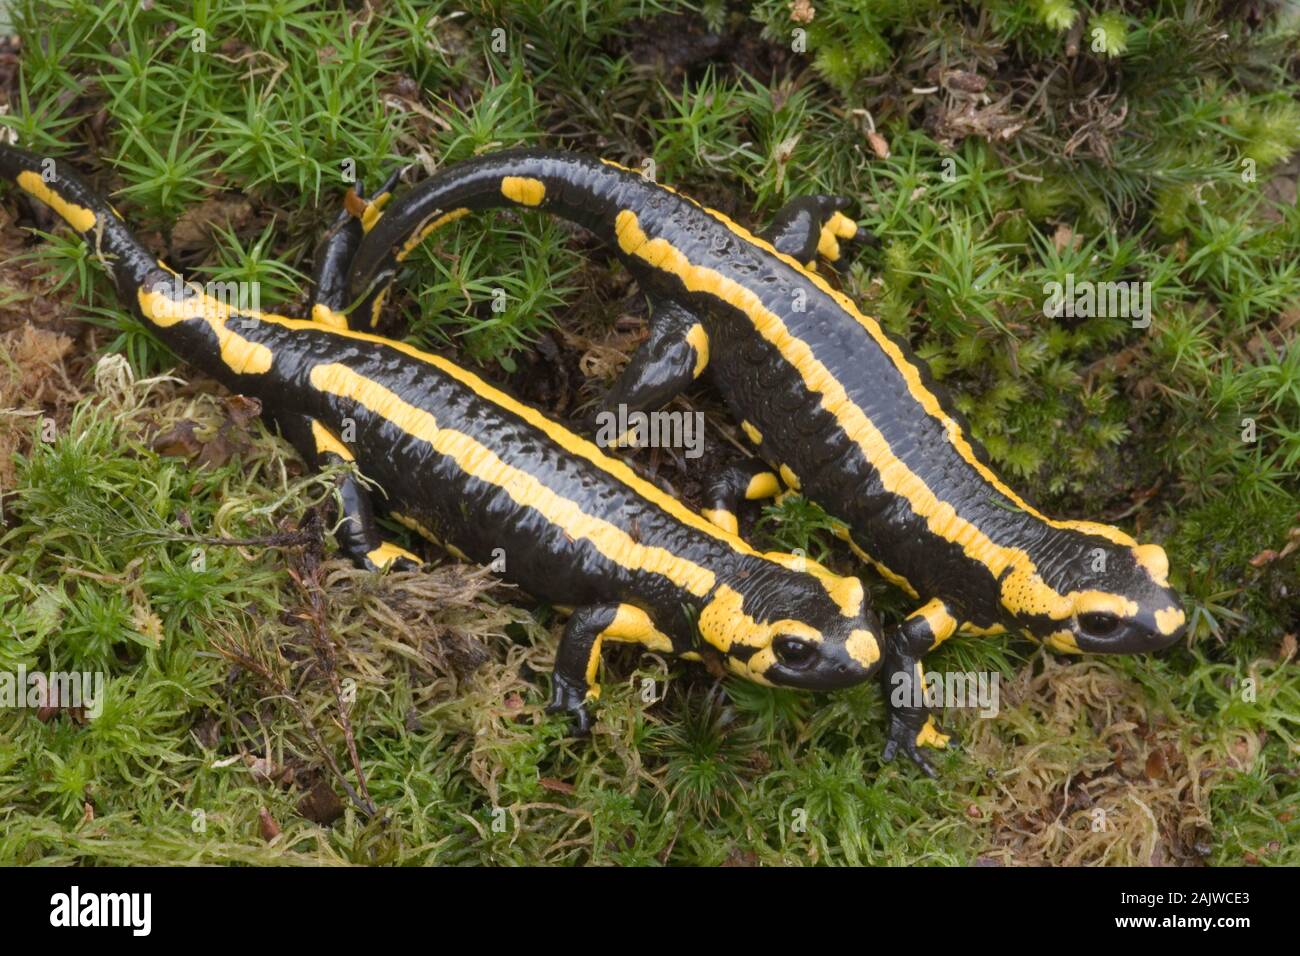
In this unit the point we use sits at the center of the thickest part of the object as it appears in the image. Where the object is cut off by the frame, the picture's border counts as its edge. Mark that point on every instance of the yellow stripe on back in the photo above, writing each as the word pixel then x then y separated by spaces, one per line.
pixel 164 311
pixel 242 356
pixel 1024 590
pixel 424 232
pixel 78 217
pixel 476 459
pixel 911 373
pixel 916 387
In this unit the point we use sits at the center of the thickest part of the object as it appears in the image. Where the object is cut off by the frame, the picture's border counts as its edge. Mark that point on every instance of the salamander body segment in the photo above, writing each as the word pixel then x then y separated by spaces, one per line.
pixel 469 466
pixel 839 407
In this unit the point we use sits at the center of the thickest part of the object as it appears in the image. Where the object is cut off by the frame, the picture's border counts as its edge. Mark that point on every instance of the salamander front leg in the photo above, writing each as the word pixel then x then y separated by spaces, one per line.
pixel 577 659
pixel 357 532
pixel 911 725
pixel 734 484
pixel 675 355
pixel 813 226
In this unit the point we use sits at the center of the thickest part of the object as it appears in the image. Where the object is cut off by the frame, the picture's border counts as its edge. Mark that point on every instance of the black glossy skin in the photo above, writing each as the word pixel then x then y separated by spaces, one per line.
pixel 944 526
pixel 409 415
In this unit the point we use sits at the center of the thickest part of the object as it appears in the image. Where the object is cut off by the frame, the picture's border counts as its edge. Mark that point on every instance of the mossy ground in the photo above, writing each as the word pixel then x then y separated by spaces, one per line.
pixel 1024 140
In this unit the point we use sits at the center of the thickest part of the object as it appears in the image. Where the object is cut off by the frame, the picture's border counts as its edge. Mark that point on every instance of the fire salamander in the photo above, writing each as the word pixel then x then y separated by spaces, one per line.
pixel 841 409
pixel 464 463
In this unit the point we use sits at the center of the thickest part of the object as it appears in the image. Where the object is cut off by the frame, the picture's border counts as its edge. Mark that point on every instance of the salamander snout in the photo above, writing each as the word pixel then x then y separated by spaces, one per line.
pixel 849 653
pixel 1123 604
pixel 1148 625
pixel 1148 618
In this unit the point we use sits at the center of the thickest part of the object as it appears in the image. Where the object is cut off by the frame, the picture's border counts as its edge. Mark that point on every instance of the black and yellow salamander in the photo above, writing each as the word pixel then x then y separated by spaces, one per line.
pixel 840 409
pixel 466 464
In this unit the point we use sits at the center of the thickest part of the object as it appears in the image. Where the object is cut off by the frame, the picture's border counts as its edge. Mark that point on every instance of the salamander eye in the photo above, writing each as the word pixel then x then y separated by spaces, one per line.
pixel 1098 624
pixel 792 651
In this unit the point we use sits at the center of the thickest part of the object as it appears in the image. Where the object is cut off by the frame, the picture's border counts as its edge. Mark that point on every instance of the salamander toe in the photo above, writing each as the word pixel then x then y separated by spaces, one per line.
pixel 567 698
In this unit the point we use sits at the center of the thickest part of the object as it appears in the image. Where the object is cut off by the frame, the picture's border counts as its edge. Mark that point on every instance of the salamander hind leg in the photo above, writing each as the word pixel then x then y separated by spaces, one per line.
pixel 749 481
pixel 675 355
pixel 813 227
pixel 911 724
pixel 335 252
pixel 357 532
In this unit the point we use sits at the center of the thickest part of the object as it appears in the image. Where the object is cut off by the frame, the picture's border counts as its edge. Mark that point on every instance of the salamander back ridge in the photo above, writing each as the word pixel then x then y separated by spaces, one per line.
pixel 468 466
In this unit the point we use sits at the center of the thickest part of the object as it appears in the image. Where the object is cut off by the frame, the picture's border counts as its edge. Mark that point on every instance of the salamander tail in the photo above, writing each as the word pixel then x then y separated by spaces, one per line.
pixel 55 184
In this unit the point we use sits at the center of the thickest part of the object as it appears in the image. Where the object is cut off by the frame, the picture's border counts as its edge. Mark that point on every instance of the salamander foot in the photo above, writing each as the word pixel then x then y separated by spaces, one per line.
pixel 568 698
pixel 909 734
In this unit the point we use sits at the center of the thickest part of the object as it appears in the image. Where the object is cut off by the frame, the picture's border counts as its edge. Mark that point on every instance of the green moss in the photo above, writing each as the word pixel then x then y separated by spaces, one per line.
pixel 1167 179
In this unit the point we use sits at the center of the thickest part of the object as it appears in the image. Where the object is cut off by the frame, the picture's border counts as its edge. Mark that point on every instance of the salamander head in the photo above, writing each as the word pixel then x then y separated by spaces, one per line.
pixel 1117 601
pixel 794 624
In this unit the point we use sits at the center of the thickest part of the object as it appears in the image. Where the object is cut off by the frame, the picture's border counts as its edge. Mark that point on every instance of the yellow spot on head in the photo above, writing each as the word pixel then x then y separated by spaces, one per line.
pixel 863 647
pixel 78 217
pixel 1026 593
pixel 1062 641
pixel 724 624
pixel 789 477
pixel 847 593
pixel 752 433
pixel 755 668
pixel 1101 602
pixel 1170 619
pixel 523 190
pixel 1153 559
